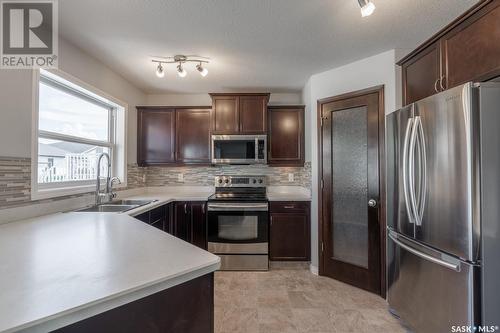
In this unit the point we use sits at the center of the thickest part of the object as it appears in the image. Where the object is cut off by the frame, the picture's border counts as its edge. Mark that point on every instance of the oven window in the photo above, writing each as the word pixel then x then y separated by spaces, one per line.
pixel 238 227
pixel 234 149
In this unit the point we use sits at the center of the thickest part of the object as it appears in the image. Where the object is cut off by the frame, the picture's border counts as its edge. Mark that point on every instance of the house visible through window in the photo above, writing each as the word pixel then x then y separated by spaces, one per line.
pixel 74 128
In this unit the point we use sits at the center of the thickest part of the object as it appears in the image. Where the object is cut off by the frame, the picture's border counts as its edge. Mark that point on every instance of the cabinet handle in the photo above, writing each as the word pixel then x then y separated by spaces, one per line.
pixel 435 85
pixel 441 83
pixel 289 207
pixel 271 220
pixel 185 208
pixel 203 208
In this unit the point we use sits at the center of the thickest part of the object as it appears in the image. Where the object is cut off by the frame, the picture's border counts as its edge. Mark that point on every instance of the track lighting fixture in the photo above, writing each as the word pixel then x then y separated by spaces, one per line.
pixel 367 7
pixel 181 60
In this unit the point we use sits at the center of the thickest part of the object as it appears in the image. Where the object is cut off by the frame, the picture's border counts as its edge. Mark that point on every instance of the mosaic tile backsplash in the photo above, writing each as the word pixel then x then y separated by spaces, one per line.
pixel 15 178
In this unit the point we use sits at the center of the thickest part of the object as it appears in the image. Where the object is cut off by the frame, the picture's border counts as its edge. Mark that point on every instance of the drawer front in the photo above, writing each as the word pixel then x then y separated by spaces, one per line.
pixel 289 206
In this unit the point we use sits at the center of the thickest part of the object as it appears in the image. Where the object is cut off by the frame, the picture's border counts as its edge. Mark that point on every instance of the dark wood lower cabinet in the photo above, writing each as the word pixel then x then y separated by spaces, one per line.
pixel 186 220
pixel 159 217
pixel 290 231
pixel 186 308
pixel 190 221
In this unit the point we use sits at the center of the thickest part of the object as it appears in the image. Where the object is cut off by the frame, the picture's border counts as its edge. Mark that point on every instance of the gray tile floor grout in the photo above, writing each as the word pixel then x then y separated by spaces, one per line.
pixel 294 300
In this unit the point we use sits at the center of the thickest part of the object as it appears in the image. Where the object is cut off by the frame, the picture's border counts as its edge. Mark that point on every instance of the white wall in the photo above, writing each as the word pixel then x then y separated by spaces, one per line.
pixel 16 98
pixel 369 72
pixel 204 99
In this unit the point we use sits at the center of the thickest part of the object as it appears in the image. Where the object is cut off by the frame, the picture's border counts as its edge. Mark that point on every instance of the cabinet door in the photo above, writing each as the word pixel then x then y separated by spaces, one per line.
pixel 286 136
pixel 199 224
pixel 471 51
pixel 225 118
pixel 193 136
pixel 252 114
pixel 421 74
pixel 182 221
pixel 289 236
pixel 156 136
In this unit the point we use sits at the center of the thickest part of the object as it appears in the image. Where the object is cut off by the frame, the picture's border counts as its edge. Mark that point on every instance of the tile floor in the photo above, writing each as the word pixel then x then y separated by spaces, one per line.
pixel 292 299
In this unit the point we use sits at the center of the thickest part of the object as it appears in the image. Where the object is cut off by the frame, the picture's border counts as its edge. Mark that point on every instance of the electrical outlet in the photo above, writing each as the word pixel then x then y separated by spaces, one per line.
pixel 180 177
pixel 291 177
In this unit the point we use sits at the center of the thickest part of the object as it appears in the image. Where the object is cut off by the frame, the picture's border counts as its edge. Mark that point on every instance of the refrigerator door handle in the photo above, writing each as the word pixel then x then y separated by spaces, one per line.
pixel 409 126
pixel 455 266
pixel 423 172
pixel 411 170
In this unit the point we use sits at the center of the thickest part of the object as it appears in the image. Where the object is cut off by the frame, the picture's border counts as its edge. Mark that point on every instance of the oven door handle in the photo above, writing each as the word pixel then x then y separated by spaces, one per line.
pixel 237 207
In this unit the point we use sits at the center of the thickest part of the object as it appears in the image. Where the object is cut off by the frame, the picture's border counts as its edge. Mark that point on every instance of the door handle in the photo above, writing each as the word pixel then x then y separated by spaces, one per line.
pixel 435 85
pixel 372 203
pixel 441 83
pixel 411 170
pixel 423 173
pixel 405 170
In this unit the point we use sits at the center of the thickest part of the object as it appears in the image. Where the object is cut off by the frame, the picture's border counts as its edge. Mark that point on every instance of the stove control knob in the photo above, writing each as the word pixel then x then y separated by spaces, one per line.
pixel 220 181
pixel 255 181
pixel 260 181
pixel 226 181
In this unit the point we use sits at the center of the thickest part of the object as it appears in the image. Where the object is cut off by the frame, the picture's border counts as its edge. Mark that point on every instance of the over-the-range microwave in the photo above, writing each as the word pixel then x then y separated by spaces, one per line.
pixel 239 149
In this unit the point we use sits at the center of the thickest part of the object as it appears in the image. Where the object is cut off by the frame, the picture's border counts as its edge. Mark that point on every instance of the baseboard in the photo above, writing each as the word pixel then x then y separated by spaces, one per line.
pixel 314 269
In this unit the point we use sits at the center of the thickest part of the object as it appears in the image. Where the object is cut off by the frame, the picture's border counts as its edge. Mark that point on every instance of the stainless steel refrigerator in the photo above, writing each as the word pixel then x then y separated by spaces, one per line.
pixel 443 209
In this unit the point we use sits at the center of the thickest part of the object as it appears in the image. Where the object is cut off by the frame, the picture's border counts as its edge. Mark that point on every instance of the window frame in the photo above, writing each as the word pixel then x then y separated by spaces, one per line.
pixel 77 88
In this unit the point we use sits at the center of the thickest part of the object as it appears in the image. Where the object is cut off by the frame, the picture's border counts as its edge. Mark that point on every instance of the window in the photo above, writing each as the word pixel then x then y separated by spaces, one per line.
pixel 75 126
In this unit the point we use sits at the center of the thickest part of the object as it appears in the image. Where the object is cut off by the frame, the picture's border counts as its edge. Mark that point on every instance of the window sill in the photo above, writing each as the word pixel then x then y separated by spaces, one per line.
pixel 56 192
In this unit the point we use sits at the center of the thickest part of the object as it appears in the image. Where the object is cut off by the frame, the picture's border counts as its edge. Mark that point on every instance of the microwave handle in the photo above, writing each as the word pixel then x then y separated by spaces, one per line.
pixel 256 149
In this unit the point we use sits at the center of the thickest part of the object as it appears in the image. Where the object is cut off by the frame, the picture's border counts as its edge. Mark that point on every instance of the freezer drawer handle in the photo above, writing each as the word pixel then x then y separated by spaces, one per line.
pixel 449 265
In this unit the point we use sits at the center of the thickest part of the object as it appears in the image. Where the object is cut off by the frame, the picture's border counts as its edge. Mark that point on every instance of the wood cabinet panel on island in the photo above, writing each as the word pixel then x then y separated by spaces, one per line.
pixel 465 50
pixel 286 135
pixel 173 135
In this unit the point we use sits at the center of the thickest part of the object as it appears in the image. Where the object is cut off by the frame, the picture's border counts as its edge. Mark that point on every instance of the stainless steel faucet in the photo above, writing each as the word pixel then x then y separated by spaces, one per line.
pixel 108 195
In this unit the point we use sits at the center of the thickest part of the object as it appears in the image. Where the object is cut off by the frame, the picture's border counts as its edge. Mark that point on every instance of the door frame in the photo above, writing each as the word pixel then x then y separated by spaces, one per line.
pixel 382 169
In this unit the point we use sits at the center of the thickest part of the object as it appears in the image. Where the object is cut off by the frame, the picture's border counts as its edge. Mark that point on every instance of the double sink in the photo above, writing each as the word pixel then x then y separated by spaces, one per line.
pixel 117 206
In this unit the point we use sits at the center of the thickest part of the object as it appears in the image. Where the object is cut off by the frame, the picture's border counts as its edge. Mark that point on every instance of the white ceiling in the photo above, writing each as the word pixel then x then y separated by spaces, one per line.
pixel 272 45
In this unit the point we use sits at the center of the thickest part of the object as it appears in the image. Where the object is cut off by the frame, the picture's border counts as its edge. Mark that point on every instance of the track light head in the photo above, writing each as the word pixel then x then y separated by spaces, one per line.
pixel 367 7
pixel 203 71
pixel 160 72
pixel 181 71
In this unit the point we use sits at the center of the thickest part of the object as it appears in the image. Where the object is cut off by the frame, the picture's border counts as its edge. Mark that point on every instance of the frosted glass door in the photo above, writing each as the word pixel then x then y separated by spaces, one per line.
pixel 350 186
pixel 350 190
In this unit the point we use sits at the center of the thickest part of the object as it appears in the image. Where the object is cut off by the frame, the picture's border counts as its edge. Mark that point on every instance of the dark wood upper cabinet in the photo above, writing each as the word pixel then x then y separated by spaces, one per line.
pixel 286 135
pixel 174 136
pixel 156 136
pixel 239 113
pixel 193 136
pixel 421 74
pixel 225 118
pixel 253 114
pixel 471 51
pixel 465 50
pixel 289 238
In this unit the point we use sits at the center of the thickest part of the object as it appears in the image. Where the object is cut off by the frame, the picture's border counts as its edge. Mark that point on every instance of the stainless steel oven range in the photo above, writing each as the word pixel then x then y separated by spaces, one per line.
pixel 238 229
